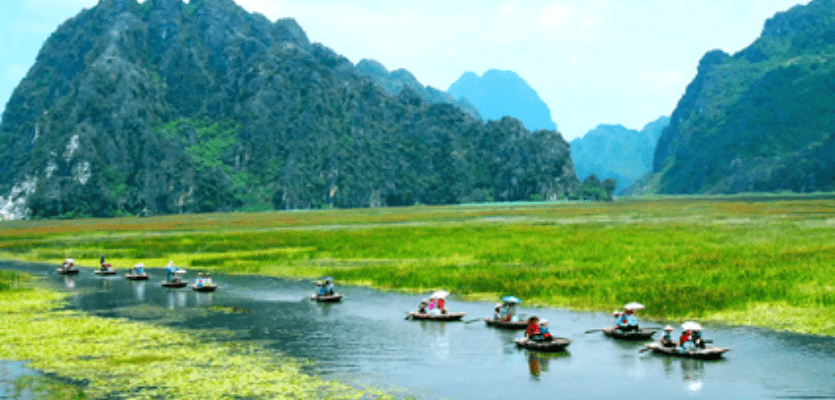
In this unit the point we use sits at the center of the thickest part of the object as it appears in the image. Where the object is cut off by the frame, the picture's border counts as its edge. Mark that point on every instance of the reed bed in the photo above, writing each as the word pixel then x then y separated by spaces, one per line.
pixel 732 259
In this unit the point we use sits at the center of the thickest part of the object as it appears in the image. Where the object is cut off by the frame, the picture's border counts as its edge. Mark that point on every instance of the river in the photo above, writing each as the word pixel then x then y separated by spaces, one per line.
pixel 365 340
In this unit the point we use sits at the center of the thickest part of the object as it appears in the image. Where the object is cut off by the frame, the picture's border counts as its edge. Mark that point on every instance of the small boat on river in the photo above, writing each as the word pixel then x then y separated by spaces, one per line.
pixel 506 324
pixel 67 271
pixel 437 317
pixel 548 346
pixel 205 288
pixel 333 298
pixel 105 272
pixel 174 283
pixel 641 334
pixel 138 277
pixel 707 353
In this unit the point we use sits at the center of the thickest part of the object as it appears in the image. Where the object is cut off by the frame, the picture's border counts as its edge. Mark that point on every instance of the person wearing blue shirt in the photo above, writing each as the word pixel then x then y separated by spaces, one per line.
pixel 667 337
pixel 631 323
pixel 170 270
pixel 696 337
pixel 616 314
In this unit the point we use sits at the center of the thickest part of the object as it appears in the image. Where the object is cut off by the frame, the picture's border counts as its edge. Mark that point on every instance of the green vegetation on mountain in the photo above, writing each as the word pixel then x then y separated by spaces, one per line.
pixel 760 120
pixel 166 107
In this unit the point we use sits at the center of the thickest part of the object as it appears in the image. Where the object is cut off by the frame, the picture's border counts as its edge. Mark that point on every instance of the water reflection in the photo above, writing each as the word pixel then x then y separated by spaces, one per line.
pixel 693 373
pixel 204 299
pixel 69 281
pixel 436 338
pixel 139 289
pixel 177 299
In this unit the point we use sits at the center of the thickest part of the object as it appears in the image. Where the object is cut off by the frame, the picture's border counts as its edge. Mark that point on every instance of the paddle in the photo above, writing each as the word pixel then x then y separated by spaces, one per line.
pixel 594 330
pixel 472 320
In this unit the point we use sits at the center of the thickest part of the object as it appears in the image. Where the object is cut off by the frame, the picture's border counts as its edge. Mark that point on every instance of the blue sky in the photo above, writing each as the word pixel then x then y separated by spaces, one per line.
pixel 592 61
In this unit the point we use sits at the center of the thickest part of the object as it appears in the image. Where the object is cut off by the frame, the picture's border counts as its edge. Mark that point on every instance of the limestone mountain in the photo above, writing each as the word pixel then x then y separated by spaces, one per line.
pixel 615 152
pixel 761 119
pixel 172 107
pixel 499 93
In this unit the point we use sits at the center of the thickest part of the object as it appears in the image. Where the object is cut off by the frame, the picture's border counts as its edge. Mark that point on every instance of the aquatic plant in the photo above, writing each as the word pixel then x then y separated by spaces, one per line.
pixel 118 358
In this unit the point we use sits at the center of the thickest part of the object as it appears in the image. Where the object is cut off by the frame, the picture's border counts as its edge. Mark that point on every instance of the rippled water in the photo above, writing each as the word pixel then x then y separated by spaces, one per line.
pixel 366 340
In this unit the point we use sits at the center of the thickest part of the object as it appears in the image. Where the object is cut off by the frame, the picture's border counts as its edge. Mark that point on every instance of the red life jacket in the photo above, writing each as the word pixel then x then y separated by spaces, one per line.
pixel 441 303
pixel 533 329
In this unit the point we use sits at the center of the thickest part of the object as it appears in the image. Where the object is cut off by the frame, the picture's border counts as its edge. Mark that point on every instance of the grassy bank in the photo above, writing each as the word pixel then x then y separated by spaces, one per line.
pixel 766 262
pixel 115 358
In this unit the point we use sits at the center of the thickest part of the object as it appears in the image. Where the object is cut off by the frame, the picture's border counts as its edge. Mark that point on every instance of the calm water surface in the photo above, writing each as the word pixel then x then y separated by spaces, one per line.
pixel 365 340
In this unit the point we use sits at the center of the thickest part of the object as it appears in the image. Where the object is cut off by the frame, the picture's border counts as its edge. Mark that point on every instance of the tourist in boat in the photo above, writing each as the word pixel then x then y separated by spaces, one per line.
pixel 139 269
pixel 498 315
pixel 683 340
pixel 68 264
pixel 199 282
pixel 509 312
pixel 441 305
pixel 207 280
pixel 545 331
pixel 104 266
pixel 629 322
pixel 616 315
pixel 170 271
pixel 696 338
pixel 533 331
pixel 667 338
pixel 329 288
pixel 433 306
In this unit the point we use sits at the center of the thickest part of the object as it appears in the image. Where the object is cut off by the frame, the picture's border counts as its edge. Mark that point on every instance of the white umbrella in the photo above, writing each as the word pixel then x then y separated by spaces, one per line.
pixel 691 326
pixel 634 306
pixel 440 293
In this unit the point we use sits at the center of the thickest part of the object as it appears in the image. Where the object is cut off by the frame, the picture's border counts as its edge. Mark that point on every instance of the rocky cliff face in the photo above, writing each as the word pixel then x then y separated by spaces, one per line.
pixel 615 152
pixel 758 120
pixel 168 107
pixel 503 93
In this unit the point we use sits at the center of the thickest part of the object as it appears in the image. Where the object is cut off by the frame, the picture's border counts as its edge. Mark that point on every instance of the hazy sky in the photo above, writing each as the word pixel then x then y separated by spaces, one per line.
pixel 592 61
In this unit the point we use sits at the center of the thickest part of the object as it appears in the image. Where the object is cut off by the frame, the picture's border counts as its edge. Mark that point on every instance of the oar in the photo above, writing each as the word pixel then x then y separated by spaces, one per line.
pixel 409 315
pixel 644 349
pixel 594 330
pixel 473 320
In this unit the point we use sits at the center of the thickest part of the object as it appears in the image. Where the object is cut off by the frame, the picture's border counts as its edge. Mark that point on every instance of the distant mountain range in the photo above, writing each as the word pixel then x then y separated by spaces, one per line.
pixel 500 93
pixel 760 120
pixel 171 107
pixel 614 152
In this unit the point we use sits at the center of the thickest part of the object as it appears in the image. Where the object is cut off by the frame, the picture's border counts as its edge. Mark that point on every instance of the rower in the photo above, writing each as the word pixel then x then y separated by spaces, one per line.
pixel 616 314
pixel 139 269
pixel 170 271
pixel 631 323
pixel 545 331
pixel 104 266
pixel 697 339
pixel 683 340
pixel 667 339
pixel 533 332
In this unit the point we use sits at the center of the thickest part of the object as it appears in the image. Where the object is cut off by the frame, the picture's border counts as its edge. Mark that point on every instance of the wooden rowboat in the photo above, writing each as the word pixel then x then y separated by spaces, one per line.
pixel 207 288
pixel 437 317
pixel 641 334
pixel 550 346
pixel 708 353
pixel 506 324
pixel 327 298
pixel 104 272
pixel 137 277
pixel 178 283
pixel 67 271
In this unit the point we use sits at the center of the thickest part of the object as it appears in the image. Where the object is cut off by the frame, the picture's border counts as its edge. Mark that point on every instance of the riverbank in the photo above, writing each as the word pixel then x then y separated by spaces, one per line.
pixel 119 358
pixel 761 262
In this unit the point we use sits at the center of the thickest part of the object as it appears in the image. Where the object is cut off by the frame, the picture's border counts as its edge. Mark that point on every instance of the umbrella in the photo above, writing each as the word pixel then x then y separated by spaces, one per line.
pixel 691 326
pixel 511 299
pixel 440 293
pixel 634 306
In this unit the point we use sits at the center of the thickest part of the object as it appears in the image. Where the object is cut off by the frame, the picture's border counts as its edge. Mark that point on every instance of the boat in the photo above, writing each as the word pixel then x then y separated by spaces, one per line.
pixel 437 317
pixel 104 272
pixel 206 288
pixel 176 283
pixel 641 334
pixel 137 277
pixel 333 298
pixel 67 271
pixel 708 353
pixel 555 345
pixel 506 324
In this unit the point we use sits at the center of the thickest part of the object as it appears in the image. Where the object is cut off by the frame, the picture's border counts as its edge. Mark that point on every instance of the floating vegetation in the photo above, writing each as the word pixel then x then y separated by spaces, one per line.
pixel 118 358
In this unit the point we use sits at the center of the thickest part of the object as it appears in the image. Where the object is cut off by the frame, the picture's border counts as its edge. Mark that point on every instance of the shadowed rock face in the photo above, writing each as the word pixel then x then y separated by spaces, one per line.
pixel 759 120
pixel 168 107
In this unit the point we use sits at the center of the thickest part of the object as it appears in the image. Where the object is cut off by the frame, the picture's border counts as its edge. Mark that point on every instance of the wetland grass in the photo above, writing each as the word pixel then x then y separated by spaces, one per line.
pixel 724 259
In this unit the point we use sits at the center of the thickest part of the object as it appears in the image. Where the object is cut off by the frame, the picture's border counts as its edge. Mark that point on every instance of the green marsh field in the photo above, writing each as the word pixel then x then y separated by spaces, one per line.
pixel 752 261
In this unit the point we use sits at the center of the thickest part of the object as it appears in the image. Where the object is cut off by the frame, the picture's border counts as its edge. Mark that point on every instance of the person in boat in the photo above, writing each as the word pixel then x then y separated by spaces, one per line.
pixel 170 271
pixel 683 340
pixel 68 264
pixel 139 269
pixel 207 280
pixel 328 288
pixel 104 266
pixel 441 305
pixel 545 331
pixel 498 315
pixel 199 282
pixel 667 338
pixel 433 306
pixel 696 338
pixel 533 331
pixel 616 314
pixel 509 313
pixel 629 322
pixel 423 305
